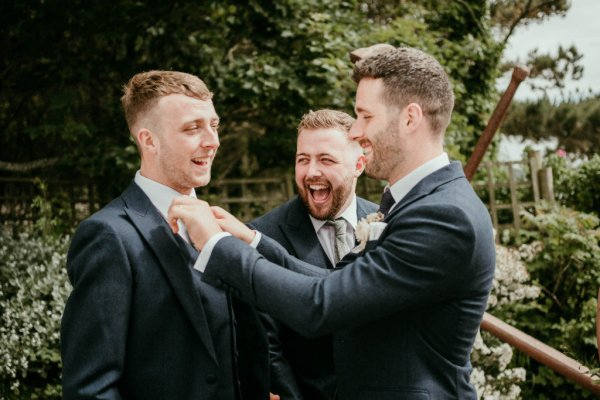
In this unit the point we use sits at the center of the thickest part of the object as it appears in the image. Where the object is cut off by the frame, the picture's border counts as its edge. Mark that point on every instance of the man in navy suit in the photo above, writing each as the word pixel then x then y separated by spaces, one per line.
pixel 328 164
pixel 140 323
pixel 405 311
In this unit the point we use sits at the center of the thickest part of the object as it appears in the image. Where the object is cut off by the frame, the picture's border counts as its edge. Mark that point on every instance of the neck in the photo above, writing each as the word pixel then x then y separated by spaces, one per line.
pixel 414 161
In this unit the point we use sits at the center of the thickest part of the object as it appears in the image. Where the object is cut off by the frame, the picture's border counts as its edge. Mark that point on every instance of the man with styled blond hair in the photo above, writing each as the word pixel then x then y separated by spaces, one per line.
pixel 140 323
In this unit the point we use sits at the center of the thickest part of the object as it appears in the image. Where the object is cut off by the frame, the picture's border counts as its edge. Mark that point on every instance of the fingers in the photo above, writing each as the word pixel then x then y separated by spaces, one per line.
pixel 220 213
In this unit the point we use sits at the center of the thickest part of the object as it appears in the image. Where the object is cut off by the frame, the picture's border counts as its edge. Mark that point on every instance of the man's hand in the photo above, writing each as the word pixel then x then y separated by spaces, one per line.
pixel 231 224
pixel 197 217
pixel 273 396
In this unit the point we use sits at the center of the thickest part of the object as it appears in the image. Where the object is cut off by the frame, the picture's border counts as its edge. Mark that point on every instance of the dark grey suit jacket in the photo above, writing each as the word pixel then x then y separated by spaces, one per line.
pixel 405 313
pixel 301 368
pixel 140 323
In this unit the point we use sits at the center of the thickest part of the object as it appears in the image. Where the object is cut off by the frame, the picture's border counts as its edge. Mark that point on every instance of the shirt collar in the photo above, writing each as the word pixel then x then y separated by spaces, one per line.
pixel 160 195
pixel 405 185
pixel 349 214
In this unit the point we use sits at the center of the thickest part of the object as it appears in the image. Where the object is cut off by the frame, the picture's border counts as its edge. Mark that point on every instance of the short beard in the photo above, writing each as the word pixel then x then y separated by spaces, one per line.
pixel 339 196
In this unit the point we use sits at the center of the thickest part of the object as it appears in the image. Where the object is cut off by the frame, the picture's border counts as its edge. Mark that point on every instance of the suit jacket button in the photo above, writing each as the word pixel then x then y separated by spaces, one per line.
pixel 211 379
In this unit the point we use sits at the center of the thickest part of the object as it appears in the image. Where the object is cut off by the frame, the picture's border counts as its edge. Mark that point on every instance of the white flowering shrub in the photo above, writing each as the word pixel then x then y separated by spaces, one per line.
pixel 33 291
pixel 491 376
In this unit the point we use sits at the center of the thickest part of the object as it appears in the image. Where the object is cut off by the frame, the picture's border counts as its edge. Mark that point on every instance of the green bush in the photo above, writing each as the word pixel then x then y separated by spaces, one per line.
pixel 577 182
pixel 33 291
pixel 563 257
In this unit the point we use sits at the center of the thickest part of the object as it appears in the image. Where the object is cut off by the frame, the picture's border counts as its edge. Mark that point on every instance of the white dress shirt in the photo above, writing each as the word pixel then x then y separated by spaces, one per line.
pixel 326 233
pixel 405 185
pixel 161 197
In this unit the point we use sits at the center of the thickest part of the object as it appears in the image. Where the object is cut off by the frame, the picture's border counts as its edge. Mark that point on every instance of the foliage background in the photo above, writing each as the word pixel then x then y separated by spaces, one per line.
pixel 269 62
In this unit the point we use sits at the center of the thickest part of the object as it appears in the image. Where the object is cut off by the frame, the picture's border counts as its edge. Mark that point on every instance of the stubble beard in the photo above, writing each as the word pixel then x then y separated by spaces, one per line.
pixel 179 179
pixel 386 152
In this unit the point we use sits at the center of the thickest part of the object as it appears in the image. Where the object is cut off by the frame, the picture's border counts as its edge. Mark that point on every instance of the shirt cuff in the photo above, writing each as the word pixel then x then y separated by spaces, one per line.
pixel 204 256
pixel 254 243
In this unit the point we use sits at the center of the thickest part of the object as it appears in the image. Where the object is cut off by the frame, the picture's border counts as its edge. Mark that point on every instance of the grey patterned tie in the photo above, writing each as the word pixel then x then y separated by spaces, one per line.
pixel 341 246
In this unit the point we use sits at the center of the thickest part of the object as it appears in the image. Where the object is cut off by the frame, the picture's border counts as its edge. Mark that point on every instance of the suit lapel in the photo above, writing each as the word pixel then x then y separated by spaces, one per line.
pixel 361 211
pixel 172 257
pixel 299 231
pixel 428 184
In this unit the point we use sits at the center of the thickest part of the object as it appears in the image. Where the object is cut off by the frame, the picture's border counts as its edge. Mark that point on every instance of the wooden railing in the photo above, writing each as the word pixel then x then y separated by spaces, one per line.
pixel 542 353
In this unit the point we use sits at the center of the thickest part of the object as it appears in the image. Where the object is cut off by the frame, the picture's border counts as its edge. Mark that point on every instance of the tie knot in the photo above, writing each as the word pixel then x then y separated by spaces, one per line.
pixel 387 201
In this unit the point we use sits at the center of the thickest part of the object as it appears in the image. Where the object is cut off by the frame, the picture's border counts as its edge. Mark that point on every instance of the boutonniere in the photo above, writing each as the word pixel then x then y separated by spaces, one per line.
pixel 368 228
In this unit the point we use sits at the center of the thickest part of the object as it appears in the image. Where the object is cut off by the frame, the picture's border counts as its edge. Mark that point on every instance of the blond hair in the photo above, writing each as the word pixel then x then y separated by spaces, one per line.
pixel 325 119
pixel 143 91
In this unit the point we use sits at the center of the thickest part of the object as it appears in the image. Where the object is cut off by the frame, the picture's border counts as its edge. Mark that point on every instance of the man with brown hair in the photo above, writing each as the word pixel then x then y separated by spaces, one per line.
pixel 404 313
pixel 317 226
pixel 140 323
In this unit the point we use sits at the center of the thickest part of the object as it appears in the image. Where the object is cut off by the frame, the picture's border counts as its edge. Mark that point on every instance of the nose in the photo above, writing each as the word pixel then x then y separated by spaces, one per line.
pixel 313 170
pixel 211 140
pixel 356 131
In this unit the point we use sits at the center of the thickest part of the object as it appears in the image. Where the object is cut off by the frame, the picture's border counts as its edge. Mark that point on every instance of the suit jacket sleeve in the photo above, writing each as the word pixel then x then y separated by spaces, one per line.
pixel 283 380
pixel 96 316
pixel 420 258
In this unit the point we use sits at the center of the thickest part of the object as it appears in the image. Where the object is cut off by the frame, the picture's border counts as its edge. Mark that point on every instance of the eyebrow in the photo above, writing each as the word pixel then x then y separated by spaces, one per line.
pixel 317 155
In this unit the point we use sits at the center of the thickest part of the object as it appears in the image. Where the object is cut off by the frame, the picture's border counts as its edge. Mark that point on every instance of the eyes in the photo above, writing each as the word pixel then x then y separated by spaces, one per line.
pixel 325 160
pixel 196 126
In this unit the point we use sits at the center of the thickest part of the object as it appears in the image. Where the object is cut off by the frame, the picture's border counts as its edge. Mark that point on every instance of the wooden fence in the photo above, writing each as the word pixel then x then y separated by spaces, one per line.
pixel 506 188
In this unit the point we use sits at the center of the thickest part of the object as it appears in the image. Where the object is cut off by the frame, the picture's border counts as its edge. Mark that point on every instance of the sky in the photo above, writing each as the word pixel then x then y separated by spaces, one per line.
pixel 580 27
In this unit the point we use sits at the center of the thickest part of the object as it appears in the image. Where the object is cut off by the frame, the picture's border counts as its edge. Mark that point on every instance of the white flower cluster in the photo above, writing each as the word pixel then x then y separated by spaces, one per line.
pixel 511 278
pixel 490 376
pixel 33 291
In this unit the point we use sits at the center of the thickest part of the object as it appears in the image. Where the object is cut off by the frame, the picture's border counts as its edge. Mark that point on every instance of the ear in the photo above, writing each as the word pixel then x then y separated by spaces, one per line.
pixel 148 141
pixel 360 165
pixel 414 116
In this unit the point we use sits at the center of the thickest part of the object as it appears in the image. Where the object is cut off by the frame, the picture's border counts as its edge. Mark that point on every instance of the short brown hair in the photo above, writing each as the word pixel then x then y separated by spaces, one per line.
pixel 144 90
pixel 409 76
pixel 324 119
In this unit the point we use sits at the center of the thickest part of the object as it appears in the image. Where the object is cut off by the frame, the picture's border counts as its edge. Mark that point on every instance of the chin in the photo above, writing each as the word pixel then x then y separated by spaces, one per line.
pixel 321 212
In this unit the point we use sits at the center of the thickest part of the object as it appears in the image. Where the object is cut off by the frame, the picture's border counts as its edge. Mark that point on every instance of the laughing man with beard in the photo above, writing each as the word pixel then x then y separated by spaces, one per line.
pixel 328 165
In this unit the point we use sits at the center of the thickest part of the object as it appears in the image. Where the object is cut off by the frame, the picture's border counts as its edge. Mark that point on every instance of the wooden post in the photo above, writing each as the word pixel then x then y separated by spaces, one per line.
pixel 492 194
pixel 546 184
pixel 535 164
pixel 513 198
pixel 518 75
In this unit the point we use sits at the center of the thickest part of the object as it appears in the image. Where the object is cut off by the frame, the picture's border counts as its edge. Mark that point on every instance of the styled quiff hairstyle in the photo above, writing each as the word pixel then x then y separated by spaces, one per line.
pixel 145 89
pixel 411 76
pixel 325 119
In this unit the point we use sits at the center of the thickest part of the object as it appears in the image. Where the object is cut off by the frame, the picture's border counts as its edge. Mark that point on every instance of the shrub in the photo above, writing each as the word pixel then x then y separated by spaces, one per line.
pixel 563 257
pixel 491 376
pixel 576 182
pixel 33 291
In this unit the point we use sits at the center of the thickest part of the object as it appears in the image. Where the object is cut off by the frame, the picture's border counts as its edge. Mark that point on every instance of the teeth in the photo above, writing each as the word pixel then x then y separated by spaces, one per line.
pixel 317 187
pixel 200 160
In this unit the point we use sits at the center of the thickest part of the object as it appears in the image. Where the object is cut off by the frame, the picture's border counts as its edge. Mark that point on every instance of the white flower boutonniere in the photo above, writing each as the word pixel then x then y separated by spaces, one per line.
pixel 368 228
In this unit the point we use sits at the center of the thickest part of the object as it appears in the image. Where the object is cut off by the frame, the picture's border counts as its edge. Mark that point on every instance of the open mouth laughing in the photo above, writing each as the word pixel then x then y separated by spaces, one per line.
pixel 319 192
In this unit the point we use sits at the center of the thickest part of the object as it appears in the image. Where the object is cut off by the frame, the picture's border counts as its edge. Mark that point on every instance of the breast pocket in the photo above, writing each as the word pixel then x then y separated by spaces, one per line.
pixel 392 393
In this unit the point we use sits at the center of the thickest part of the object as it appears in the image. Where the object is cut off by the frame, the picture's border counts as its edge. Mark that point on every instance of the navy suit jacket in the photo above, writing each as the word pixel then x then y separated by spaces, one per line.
pixel 301 368
pixel 140 323
pixel 405 313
